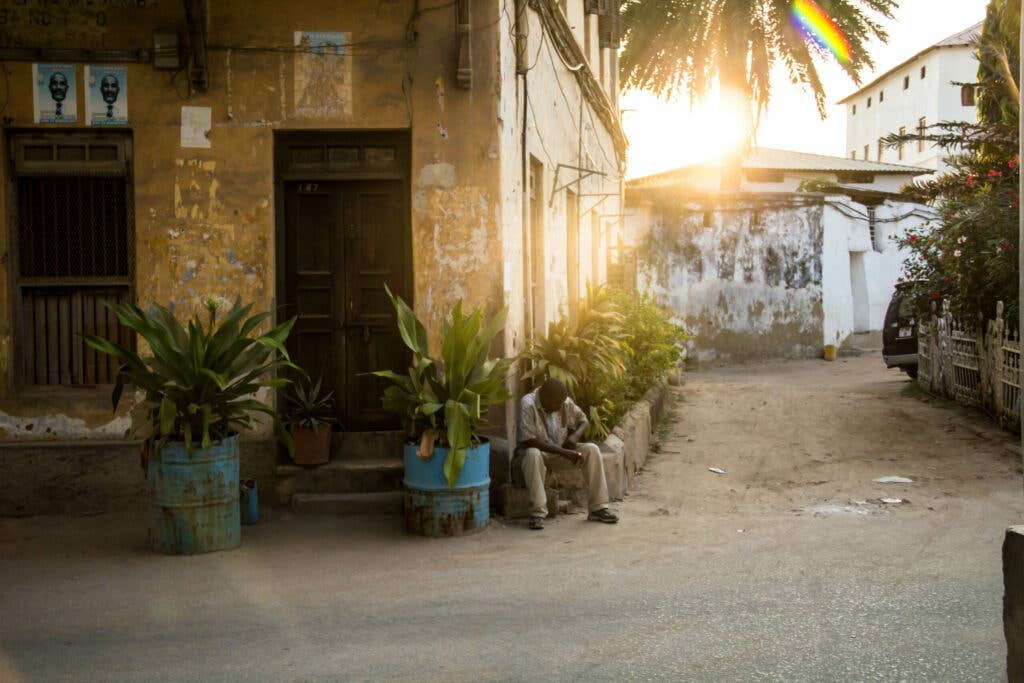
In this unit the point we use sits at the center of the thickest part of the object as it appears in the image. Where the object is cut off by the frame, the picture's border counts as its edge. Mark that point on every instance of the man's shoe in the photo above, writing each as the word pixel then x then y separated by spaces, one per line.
pixel 603 515
pixel 536 522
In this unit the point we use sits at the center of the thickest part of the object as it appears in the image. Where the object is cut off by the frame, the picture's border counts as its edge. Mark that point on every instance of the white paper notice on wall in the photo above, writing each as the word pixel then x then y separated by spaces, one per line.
pixel 196 123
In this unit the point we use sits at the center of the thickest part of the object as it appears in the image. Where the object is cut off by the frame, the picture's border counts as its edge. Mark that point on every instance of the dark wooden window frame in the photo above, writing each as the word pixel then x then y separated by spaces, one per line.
pixel 21 167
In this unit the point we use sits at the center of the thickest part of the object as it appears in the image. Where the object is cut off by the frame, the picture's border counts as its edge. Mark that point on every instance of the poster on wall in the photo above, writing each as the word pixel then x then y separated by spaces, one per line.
pixel 196 123
pixel 323 74
pixel 55 93
pixel 106 95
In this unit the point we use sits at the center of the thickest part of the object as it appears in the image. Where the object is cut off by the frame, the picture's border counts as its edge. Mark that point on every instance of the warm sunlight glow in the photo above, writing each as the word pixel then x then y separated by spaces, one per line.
pixel 707 132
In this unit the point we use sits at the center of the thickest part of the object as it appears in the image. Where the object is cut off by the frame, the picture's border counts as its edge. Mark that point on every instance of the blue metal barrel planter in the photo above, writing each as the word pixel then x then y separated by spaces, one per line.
pixel 433 509
pixel 194 498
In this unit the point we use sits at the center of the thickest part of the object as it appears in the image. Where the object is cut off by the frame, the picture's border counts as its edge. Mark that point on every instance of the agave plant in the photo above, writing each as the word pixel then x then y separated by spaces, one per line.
pixel 307 407
pixel 200 380
pixel 447 398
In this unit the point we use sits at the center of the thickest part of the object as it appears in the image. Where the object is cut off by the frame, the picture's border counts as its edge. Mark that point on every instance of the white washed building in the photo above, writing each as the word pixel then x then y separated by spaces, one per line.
pixel 930 87
pixel 769 272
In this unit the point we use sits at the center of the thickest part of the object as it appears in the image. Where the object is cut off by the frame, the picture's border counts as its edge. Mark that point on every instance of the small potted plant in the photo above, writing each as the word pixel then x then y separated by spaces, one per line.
pixel 201 384
pixel 442 401
pixel 310 419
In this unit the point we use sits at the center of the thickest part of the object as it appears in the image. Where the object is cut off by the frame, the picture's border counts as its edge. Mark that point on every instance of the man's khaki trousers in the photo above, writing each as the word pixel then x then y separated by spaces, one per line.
pixel 534 470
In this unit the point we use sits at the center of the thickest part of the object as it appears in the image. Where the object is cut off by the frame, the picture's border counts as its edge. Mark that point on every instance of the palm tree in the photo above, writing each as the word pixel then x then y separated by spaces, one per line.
pixel 690 45
pixel 999 63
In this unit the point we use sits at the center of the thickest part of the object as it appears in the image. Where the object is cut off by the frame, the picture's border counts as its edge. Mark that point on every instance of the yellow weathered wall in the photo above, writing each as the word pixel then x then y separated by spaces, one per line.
pixel 204 218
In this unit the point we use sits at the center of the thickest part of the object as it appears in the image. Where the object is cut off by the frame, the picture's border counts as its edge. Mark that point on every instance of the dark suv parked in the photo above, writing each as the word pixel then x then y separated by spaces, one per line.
pixel 899 333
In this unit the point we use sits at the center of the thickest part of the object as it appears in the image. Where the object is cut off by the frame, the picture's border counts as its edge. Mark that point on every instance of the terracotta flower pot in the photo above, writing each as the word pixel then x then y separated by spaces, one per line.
pixel 312 447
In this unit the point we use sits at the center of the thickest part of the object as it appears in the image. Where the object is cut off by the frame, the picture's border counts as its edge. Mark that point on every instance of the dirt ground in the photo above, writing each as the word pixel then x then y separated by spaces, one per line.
pixel 809 438
pixel 788 567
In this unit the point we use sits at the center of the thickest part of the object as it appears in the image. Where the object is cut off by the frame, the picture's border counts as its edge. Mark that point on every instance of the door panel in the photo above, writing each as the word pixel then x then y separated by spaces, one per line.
pixel 376 237
pixel 313 217
pixel 344 241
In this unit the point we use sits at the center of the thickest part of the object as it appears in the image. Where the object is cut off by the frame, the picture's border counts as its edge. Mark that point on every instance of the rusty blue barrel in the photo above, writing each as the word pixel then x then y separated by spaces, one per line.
pixel 433 509
pixel 193 498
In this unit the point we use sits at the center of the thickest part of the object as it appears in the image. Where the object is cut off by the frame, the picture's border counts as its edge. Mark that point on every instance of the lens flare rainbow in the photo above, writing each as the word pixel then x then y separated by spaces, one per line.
pixel 818 26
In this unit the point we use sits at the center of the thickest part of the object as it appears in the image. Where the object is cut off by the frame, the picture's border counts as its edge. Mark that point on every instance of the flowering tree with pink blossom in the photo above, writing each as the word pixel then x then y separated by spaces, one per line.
pixel 968 257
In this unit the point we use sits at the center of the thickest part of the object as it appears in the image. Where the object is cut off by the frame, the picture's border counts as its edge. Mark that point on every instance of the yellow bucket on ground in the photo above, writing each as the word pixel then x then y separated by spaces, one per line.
pixel 830 352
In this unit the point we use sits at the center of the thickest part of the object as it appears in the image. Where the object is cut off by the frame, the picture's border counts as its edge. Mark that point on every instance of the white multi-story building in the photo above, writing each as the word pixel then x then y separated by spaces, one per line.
pixel 930 87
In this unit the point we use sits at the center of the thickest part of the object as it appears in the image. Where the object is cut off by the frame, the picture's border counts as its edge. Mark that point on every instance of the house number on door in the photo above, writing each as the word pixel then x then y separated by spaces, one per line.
pixel 308 187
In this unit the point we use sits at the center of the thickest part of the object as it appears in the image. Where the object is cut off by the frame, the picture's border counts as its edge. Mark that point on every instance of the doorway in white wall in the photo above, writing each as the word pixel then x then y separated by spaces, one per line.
pixel 859 291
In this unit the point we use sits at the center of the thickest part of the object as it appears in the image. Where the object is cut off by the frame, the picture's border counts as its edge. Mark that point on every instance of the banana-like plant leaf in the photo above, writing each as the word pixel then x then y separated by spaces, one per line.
pixel 447 394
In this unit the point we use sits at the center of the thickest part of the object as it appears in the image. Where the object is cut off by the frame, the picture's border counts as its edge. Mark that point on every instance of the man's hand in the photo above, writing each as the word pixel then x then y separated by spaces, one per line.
pixel 573 439
pixel 571 455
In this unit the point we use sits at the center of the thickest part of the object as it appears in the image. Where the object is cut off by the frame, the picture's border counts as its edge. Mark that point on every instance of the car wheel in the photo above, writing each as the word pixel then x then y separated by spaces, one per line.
pixel 912 372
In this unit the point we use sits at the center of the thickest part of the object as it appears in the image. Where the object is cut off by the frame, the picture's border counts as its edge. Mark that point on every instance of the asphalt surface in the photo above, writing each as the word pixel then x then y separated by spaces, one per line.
pixel 790 571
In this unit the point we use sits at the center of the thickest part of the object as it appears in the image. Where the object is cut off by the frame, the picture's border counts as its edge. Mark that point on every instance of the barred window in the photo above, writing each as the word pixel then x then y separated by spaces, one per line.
pixel 73 236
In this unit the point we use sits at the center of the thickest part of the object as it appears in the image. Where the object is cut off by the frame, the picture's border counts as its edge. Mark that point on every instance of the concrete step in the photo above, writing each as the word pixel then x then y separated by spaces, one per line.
pixel 348 504
pixel 339 476
pixel 367 445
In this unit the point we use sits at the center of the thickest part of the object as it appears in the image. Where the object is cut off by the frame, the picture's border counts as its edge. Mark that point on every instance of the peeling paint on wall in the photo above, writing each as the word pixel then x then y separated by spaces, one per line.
pixel 457 243
pixel 749 286
pixel 60 426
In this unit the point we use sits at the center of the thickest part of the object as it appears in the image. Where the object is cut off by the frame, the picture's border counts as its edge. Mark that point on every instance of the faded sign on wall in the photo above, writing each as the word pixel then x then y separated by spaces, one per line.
pixel 323 74
pixel 196 123
pixel 106 95
pixel 55 93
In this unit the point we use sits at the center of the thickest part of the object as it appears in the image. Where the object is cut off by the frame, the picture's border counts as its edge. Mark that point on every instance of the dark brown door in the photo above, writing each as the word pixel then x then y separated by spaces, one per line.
pixel 343 241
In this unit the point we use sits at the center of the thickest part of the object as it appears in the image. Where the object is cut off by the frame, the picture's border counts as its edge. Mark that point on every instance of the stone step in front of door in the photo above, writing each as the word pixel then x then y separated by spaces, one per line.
pixel 340 476
pixel 386 445
pixel 349 504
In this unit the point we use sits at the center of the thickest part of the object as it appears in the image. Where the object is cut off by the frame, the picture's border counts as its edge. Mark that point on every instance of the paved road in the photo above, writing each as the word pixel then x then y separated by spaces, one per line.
pixel 823 583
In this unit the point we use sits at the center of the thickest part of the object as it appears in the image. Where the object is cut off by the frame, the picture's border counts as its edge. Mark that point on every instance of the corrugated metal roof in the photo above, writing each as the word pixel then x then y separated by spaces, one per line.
pixel 965 37
pixel 961 39
pixel 766 158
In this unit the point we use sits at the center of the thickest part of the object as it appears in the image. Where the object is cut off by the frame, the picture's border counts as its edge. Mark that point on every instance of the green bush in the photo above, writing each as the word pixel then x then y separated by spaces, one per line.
pixel 447 397
pixel 619 346
pixel 654 340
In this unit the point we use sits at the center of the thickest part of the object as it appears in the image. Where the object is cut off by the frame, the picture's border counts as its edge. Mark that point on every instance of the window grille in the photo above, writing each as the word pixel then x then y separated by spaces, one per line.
pixel 73 235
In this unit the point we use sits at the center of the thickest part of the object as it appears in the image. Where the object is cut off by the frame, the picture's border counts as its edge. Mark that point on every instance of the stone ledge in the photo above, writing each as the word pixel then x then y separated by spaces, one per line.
pixel 348 504
pixel 514 502
pixel 94 476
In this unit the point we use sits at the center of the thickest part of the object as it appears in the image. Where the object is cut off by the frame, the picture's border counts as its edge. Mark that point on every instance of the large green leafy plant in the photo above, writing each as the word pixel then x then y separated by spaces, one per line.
pixel 200 380
pixel 447 398
pixel 587 353
pixel 619 345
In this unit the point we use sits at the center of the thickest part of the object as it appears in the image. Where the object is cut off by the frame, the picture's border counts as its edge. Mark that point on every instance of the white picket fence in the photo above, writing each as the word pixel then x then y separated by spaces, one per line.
pixel 972 368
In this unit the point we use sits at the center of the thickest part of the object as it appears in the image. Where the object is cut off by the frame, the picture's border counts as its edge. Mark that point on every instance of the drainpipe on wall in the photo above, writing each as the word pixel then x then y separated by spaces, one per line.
pixel 522 68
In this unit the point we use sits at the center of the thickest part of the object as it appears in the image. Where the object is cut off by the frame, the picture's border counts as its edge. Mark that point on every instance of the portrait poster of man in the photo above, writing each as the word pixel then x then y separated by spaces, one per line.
pixel 55 93
pixel 106 95
pixel 323 74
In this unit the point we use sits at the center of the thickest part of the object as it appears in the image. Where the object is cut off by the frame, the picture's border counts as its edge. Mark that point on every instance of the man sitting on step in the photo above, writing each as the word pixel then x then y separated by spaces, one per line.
pixel 551 425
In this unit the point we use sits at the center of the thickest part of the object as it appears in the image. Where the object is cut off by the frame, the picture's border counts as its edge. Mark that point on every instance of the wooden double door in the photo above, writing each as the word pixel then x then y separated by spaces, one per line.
pixel 344 240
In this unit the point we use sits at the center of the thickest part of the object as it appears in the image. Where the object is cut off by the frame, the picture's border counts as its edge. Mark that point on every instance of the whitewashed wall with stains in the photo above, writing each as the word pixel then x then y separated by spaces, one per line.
pixel 760 279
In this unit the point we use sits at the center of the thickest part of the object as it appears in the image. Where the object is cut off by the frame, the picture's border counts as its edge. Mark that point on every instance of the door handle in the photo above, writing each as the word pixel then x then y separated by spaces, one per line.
pixel 366 334
pixel 351 307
